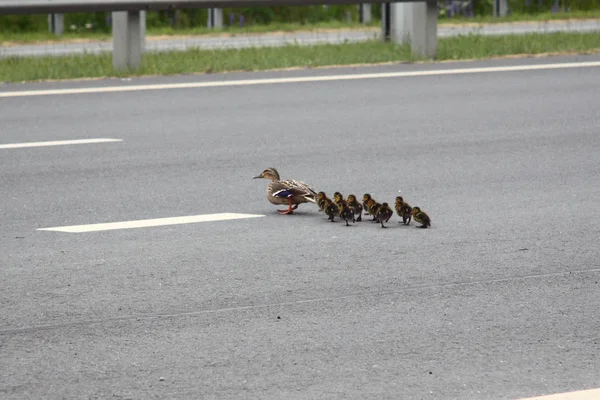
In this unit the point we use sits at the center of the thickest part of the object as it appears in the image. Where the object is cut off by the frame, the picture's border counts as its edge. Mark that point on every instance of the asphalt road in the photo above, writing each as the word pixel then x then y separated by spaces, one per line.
pixel 302 38
pixel 498 300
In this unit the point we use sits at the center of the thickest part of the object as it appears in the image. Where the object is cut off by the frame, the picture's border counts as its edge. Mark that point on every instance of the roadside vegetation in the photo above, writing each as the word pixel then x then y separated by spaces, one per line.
pixel 20 69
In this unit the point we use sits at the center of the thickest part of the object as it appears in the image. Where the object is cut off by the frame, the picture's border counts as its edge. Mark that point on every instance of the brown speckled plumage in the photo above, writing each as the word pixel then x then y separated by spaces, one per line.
pixel 290 191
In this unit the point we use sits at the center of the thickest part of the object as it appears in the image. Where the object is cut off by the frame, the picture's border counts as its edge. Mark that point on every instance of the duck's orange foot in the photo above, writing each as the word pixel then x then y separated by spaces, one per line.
pixel 290 210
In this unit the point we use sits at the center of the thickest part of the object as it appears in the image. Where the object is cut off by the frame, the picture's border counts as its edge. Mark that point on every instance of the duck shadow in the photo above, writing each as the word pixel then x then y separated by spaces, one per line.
pixel 320 217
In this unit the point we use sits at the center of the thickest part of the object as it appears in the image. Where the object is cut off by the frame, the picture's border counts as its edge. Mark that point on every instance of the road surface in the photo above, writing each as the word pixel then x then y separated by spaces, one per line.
pixel 497 300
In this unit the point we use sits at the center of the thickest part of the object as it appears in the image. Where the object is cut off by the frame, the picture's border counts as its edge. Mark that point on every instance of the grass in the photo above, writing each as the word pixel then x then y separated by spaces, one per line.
pixel 18 69
pixel 480 47
pixel 7 38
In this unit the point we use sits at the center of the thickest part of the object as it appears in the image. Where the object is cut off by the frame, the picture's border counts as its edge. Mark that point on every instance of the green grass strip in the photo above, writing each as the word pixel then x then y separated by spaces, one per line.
pixel 479 46
pixel 19 69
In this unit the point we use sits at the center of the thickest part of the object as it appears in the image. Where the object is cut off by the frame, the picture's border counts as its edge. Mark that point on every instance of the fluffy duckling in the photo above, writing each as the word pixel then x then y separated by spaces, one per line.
pixel 404 210
pixel 321 199
pixel 366 198
pixel 355 206
pixel 373 207
pixel 338 198
pixel 421 217
pixel 346 212
pixel 384 213
pixel 331 209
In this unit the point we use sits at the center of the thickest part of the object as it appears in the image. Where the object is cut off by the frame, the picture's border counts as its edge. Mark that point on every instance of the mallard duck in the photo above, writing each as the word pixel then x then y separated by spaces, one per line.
pixel 355 206
pixel 346 212
pixel 289 192
pixel 421 217
pixel 384 213
pixel 404 210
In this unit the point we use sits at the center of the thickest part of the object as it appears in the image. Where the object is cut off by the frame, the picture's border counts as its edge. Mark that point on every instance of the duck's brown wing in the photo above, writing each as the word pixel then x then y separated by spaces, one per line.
pixel 298 188
pixel 291 188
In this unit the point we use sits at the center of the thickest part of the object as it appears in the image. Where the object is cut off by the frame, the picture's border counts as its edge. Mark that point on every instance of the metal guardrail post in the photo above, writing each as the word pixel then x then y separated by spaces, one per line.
pixel 56 23
pixel 364 13
pixel 413 23
pixel 127 39
pixel 214 18
pixel 386 22
pixel 143 30
pixel 500 8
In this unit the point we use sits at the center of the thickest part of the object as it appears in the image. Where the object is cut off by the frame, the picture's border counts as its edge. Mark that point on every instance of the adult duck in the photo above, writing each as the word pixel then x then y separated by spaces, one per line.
pixel 290 191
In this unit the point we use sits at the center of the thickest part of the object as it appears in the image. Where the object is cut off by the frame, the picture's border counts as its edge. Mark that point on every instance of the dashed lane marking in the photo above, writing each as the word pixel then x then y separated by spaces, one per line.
pixel 145 223
pixel 57 143
pixel 591 394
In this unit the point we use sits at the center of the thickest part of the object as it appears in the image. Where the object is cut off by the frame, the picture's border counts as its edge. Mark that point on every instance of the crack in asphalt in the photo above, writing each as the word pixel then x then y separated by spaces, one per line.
pixel 137 317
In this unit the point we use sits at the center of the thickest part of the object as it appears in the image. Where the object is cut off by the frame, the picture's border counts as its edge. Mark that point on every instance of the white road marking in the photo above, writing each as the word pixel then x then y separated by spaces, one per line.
pixel 57 143
pixel 592 394
pixel 246 82
pixel 144 223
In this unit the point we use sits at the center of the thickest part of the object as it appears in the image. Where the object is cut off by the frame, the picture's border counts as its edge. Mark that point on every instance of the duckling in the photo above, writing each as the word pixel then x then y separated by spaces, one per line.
pixel 367 206
pixel 346 212
pixel 321 198
pixel 331 210
pixel 366 198
pixel 355 206
pixel 384 213
pixel 406 214
pixel 373 207
pixel 338 198
pixel 404 210
pixel 324 202
pixel 421 217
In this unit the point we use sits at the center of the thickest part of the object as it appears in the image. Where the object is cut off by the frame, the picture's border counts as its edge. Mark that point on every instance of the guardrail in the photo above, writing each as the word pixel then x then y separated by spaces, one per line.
pixel 403 21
